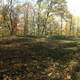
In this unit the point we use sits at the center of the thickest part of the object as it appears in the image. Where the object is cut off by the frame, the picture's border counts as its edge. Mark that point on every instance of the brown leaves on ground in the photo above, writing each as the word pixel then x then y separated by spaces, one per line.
pixel 38 60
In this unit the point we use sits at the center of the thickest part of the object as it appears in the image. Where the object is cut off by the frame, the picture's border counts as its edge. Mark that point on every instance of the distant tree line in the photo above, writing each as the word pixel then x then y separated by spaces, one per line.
pixel 40 18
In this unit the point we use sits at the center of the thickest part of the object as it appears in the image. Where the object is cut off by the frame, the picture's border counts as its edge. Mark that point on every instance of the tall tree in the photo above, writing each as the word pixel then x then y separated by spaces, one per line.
pixel 12 16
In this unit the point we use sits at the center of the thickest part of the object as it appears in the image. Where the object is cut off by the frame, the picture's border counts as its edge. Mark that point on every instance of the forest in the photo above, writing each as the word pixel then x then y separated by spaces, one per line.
pixel 39 40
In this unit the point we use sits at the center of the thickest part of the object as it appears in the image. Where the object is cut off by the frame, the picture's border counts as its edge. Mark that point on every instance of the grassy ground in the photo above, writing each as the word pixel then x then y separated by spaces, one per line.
pixel 39 59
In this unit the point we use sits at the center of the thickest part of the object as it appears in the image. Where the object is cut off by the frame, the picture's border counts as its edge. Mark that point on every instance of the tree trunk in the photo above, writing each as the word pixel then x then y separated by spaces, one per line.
pixel 61 25
pixel 26 24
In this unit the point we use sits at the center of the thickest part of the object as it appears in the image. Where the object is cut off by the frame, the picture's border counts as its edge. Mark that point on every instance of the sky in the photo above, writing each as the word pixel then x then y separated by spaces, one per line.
pixel 73 6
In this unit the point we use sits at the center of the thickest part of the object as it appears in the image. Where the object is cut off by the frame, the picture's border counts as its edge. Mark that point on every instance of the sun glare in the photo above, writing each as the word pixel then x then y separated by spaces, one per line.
pixel 74 7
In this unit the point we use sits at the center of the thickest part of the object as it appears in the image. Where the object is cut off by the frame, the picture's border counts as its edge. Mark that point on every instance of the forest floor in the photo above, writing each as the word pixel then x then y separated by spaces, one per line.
pixel 39 59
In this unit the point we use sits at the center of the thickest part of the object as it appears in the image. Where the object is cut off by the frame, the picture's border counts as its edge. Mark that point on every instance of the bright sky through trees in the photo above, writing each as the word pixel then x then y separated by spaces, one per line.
pixel 74 7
